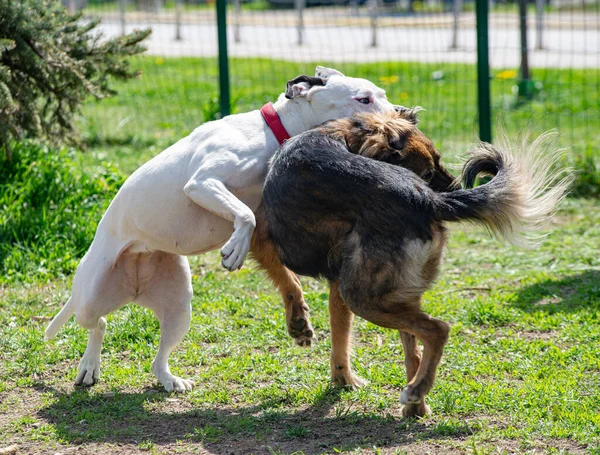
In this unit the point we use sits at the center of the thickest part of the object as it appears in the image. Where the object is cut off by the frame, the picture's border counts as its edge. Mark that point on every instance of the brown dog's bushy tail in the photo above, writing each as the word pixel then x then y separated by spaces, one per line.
pixel 521 197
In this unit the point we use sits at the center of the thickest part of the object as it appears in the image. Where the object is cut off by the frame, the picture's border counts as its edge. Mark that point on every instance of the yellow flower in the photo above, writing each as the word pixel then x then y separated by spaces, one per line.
pixel 506 74
pixel 159 60
pixel 403 95
pixel 389 79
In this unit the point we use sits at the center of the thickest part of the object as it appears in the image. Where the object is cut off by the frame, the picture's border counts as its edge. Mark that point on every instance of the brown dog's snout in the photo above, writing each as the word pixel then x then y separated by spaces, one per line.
pixel 442 181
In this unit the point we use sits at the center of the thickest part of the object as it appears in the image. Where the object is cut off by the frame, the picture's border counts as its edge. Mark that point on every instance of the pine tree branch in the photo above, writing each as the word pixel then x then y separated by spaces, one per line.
pixel 33 48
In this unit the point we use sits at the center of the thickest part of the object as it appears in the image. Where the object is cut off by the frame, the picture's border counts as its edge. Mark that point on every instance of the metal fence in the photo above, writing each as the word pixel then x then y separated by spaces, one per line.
pixel 544 59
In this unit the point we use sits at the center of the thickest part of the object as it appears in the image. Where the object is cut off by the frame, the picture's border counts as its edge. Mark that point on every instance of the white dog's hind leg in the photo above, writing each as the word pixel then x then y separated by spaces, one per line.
pixel 213 195
pixel 89 366
pixel 169 294
pixel 98 289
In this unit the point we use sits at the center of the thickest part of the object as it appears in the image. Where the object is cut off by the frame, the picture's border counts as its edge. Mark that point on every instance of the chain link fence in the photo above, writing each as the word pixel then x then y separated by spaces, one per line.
pixel 544 58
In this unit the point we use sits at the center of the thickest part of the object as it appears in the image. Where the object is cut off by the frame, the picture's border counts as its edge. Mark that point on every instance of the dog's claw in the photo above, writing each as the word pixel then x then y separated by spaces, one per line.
pixel 350 381
pixel 89 372
pixel 304 342
pixel 234 252
pixel 301 330
pixel 179 385
pixel 415 410
pixel 172 383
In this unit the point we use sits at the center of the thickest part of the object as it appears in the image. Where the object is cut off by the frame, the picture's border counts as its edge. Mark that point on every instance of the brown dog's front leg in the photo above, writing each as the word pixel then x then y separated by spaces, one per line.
pixel 262 249
pixel 340 319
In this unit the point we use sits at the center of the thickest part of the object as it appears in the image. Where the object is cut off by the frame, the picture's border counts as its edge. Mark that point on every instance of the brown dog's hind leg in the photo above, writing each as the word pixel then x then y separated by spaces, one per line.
pixel 433 334
pixel 405 314
pixel 287 283
pixel 340 318
pixel 412 360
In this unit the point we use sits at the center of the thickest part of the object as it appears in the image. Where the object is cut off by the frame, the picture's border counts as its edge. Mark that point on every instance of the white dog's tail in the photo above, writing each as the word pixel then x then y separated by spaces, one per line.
pixel 60 319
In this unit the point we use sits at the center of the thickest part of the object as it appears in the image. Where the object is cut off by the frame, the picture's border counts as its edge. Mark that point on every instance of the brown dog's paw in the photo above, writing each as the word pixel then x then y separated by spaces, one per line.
pixel 349 380
pixel 411 395
pixel 304 342
pixel 416 410
pixel 302 331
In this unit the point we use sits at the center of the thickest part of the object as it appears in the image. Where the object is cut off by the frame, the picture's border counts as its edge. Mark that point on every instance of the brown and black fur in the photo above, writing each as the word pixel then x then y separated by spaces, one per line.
pixel 392 138
pixel 376 230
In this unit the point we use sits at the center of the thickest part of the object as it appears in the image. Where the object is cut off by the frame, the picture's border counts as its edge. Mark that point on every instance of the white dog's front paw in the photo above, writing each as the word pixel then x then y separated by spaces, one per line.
pixel 234 252
pixel 175 384
pixel 89 371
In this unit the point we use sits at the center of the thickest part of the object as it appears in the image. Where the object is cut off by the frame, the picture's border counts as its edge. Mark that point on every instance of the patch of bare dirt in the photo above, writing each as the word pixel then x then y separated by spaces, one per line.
pixel 157 423
pixel 442 447
pixel 534 335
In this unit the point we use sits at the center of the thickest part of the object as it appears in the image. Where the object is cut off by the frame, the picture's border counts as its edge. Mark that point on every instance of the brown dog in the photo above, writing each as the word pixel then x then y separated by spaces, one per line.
pixel 392 138
pixel 377 231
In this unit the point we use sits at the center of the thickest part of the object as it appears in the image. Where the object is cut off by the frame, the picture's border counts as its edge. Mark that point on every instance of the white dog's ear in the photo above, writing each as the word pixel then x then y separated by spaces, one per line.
pixel 300 86
pixel 325 73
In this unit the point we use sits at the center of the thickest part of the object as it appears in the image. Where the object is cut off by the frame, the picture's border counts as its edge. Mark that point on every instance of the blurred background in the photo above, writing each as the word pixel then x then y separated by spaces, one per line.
pixel 544 57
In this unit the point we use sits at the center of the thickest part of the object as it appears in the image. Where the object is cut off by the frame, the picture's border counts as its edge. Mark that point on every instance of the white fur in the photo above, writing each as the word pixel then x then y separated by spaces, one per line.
pixel 196 196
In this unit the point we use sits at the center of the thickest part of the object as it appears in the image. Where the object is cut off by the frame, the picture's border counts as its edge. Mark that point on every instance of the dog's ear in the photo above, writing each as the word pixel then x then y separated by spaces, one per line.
pixel 396 152
pixel 300 86
pixel 325 73
pixel 392 156
pixel 377 147
pixel 410 114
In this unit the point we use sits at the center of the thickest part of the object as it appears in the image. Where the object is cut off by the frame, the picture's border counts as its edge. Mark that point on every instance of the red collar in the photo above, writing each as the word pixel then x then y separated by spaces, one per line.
pixel 274 122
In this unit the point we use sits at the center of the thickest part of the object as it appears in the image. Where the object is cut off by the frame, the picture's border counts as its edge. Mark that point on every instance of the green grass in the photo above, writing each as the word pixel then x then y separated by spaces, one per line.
pixel 49 209
pixel 521 372
pixel 104 6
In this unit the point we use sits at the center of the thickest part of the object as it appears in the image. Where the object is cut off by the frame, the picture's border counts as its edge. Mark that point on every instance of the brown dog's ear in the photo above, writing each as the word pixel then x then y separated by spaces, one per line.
pixel 393 156
pixel 299 86
pixel 409 114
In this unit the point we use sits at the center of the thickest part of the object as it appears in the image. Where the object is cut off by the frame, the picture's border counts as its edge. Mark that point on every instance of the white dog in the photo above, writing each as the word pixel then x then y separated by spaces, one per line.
pixel 196 196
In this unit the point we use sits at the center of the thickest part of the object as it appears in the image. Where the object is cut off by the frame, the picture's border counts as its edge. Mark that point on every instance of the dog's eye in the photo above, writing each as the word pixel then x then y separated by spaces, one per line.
pixel 427 176
pixel 363 100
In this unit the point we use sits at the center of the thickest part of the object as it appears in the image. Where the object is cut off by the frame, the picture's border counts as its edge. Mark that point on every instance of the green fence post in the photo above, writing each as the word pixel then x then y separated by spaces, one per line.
pixel 526 85
pixel 224 99
pixel 483 72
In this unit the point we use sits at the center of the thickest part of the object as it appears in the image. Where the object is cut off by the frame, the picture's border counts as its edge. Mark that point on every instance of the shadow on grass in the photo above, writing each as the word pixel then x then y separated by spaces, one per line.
pixel 81 417
pixel 570 294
